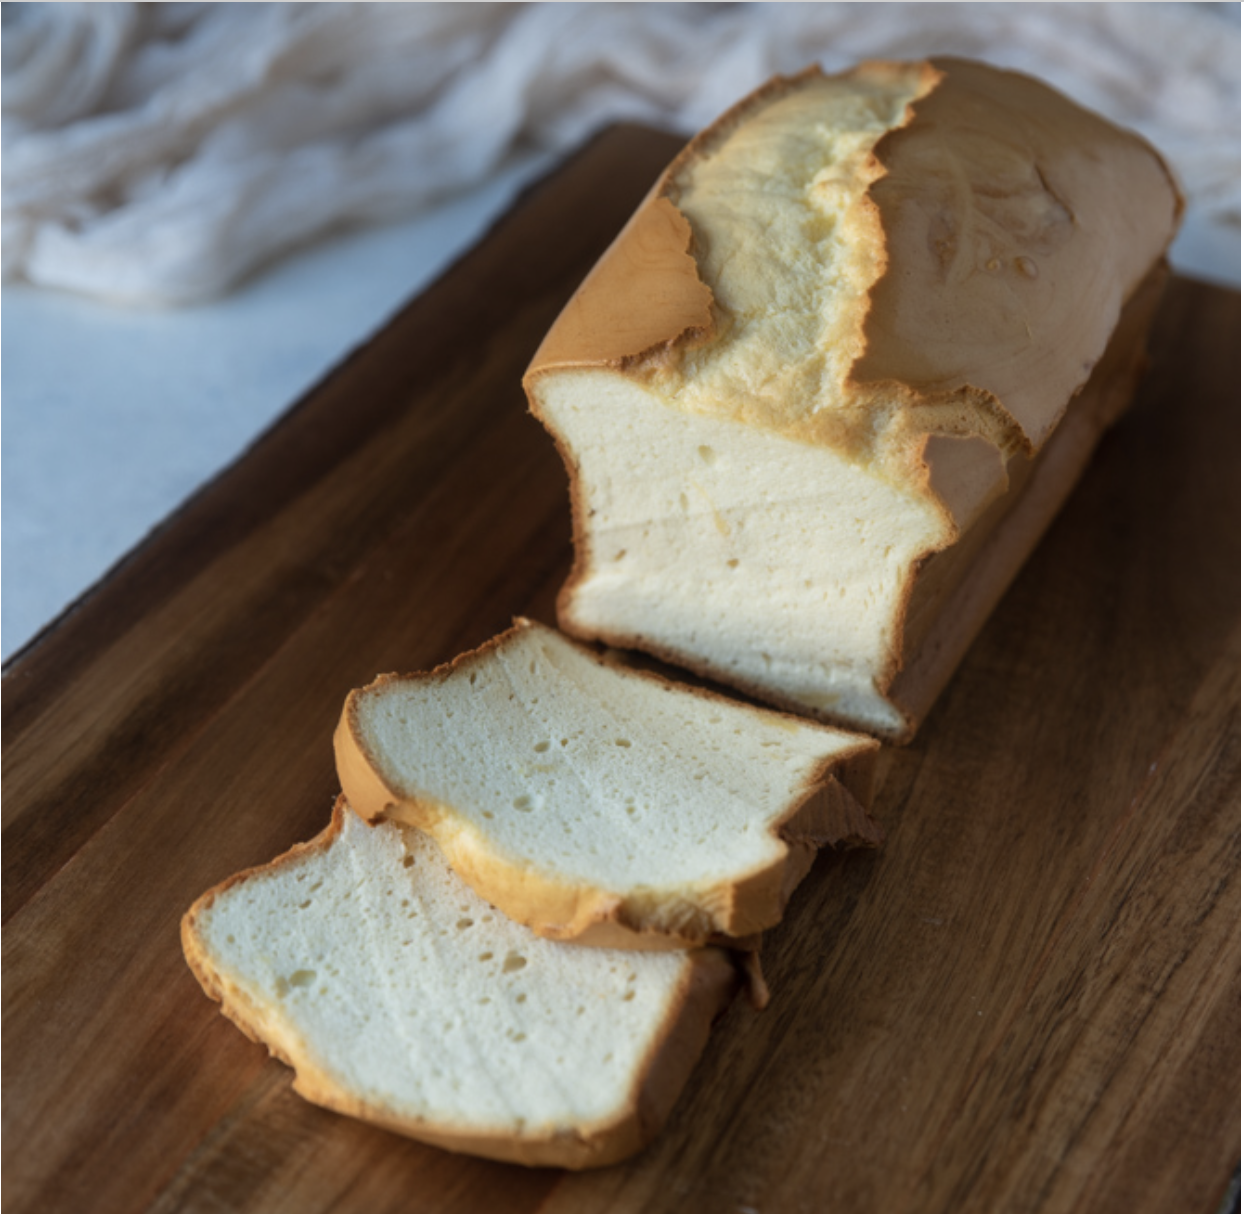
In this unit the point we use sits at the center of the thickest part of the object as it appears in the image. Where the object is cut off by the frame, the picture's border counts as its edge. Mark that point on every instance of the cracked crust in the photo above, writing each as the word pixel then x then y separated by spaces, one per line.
pixel 1016 235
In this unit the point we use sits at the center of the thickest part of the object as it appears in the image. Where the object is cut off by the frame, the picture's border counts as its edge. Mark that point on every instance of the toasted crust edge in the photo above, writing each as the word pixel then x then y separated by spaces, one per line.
pixel 688 311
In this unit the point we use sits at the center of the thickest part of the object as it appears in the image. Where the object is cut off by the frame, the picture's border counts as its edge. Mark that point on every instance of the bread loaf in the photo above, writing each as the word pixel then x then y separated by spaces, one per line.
pixel 400 997
pixel 823 394
pixel 601 804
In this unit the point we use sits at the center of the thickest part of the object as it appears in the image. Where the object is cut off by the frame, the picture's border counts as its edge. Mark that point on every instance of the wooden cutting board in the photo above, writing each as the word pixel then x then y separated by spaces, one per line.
pixel 1029 1000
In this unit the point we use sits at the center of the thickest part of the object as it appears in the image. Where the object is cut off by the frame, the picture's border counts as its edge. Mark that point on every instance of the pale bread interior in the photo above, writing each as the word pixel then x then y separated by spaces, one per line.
pixel 399 994
pixel 907 273
pixel 744 509
pixel 566 769
pixel 775 563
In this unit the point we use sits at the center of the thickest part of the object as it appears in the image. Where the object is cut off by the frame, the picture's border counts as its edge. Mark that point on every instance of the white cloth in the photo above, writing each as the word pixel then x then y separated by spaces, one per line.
pixel 157 153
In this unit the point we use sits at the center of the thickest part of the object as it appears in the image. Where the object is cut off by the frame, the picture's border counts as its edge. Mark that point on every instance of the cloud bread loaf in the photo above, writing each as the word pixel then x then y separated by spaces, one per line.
pixel 823 393
pixel 400 997
pixel 599 803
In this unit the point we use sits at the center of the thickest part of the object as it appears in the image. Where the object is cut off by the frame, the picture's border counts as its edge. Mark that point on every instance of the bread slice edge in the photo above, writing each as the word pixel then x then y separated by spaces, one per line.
pixel 706 990
pixel 829 811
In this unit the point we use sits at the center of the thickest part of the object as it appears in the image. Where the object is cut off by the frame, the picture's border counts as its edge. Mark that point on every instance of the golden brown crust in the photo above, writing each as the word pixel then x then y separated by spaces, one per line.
pixel 602 325
pixel 584 335
pixel 644 297
pixel 827 813
pixel 645 294
pixel 950 594
pixel 707 990
pixel 958 589
pixel 1016 225
pixel 368 794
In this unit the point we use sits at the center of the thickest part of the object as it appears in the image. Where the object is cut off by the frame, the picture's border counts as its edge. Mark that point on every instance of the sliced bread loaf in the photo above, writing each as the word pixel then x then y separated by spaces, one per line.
pixel 860 327
pixel 400 997
pixel 598 803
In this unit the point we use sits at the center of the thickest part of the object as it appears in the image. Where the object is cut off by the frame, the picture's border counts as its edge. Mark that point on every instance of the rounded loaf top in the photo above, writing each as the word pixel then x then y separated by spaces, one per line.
pixel 837 250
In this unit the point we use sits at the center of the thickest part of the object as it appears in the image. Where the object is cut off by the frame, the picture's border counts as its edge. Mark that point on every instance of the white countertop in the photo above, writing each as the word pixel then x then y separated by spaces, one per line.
pixel 112 417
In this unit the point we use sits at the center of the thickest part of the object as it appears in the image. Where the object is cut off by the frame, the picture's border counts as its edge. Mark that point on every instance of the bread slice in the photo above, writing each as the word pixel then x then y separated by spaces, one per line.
pixel 598 803
pixel 401 997
pixel 830 349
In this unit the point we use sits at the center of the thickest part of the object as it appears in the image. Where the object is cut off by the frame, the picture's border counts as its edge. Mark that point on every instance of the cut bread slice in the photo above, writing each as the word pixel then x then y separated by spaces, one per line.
pixel 599 803
pixel 400 997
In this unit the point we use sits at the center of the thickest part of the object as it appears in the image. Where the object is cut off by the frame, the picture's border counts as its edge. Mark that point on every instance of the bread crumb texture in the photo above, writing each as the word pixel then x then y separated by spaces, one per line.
pixel 570 774
pixel 789 248
pixel 400 995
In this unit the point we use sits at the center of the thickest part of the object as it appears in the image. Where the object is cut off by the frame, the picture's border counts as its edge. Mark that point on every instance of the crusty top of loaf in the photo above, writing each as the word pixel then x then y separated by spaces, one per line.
pixel 1016 225
pixel 864 260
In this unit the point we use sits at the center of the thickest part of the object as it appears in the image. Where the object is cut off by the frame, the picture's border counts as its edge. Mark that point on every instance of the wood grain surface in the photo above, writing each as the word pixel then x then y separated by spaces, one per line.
pixel 1027 1001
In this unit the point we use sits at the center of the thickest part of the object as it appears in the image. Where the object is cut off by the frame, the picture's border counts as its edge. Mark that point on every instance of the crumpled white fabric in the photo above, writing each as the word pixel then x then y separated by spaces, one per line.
pixel 157 153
